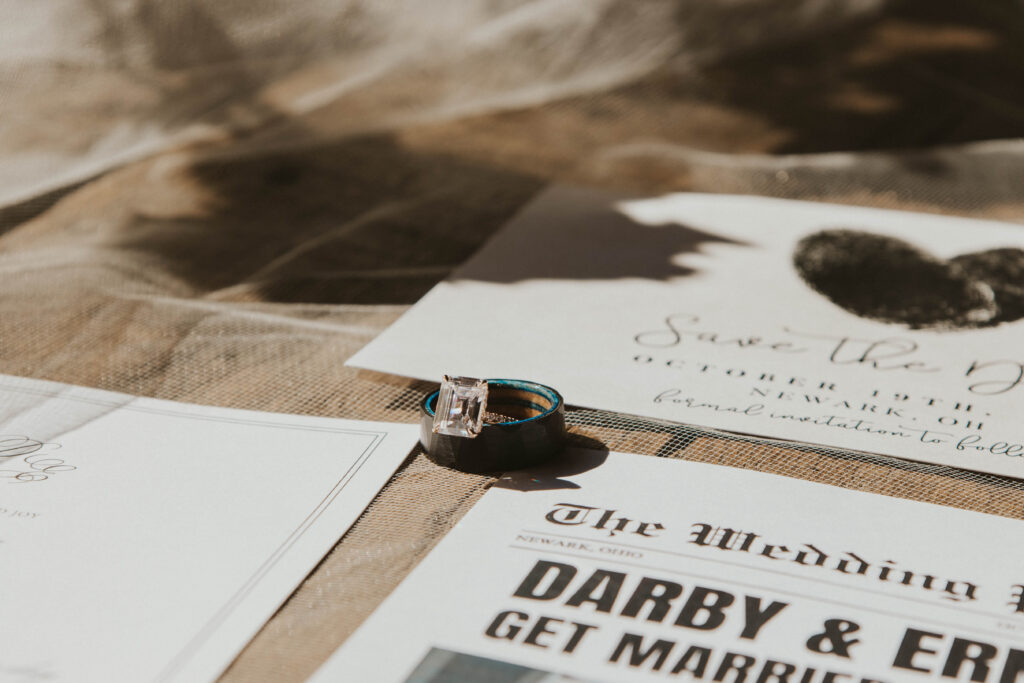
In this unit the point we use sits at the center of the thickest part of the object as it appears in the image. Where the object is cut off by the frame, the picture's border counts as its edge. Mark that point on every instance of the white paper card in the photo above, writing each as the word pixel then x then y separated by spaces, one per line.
pixel 642 569
pixel 890 332
pixel 146 540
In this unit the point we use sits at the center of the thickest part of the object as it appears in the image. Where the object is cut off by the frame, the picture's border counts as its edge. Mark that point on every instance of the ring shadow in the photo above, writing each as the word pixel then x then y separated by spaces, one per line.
pixel 582 453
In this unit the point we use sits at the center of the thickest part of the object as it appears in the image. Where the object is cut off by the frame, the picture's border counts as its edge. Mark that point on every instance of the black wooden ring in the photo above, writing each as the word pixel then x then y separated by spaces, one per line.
pixel 535 434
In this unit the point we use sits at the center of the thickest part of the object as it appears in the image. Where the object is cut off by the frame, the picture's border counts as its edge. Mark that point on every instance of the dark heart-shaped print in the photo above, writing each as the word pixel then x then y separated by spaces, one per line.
pixel 889 280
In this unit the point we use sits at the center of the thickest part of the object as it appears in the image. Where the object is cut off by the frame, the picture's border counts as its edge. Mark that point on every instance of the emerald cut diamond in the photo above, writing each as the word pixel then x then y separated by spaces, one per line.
pixel 460 407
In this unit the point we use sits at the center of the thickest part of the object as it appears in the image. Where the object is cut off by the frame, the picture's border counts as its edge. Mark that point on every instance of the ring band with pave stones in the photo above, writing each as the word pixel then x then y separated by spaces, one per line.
pixel 490 425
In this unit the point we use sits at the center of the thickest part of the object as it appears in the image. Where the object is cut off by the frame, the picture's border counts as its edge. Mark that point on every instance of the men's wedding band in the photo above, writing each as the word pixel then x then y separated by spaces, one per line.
pixel 492 425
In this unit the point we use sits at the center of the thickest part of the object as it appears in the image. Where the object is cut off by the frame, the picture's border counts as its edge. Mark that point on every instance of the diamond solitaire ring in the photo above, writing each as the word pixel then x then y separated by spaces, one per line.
pixel 487 425
pixel 462 408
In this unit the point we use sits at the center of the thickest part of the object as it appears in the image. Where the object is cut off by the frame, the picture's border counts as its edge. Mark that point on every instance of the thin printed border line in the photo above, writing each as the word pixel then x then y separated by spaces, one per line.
pixel 180 413
pixel 217 620
pixel 224 612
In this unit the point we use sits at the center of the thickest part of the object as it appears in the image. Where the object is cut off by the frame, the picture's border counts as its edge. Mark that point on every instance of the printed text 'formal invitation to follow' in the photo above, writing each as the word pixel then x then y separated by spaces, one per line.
pixel 890 332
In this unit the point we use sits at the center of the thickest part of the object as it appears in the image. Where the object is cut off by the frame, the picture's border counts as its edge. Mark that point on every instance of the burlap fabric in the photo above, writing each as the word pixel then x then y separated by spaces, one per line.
pixel 220 202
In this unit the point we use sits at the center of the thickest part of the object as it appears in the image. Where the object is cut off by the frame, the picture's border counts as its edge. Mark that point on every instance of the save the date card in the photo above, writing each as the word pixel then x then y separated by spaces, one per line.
pixel 885 331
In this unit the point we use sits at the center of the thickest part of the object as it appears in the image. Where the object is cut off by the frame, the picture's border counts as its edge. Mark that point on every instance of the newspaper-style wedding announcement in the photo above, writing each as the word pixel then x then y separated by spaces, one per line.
pixel 882 331
pixel 636 568
pixel 147 540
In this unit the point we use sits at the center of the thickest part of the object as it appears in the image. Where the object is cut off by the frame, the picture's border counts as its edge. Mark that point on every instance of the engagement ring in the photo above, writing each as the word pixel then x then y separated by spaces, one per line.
pixel 487 425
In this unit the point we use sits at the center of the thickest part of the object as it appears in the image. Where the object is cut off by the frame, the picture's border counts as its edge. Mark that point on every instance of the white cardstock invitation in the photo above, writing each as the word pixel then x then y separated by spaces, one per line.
pixel 644 569
pixel 146 540
pixel 884 331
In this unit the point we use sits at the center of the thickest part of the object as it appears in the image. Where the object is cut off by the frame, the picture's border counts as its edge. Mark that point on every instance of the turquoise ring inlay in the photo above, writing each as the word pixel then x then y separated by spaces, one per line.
pixel 492 425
